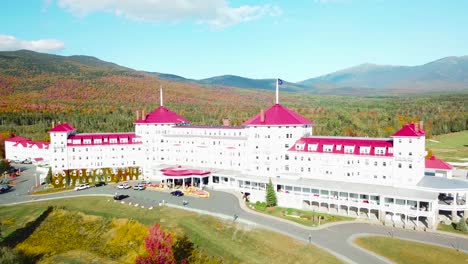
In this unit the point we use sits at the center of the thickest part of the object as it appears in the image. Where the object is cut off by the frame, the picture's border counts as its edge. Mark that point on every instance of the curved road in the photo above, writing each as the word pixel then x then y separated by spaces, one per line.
pixel 337 239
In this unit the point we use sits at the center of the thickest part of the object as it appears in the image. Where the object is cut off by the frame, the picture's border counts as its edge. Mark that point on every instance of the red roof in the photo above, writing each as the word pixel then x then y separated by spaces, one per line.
pixel 338 145
pixel 409 130
pixel 278 115
pixel 103 139
pixel 162 115
pixel 18 139
pixel 435 163
pixel 179 171
pixel 38 159
pixel 30 144
pixel 64 127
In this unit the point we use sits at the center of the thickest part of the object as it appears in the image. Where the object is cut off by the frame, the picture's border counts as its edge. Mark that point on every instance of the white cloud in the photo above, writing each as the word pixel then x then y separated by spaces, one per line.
pixel 216 13
pixel 8 43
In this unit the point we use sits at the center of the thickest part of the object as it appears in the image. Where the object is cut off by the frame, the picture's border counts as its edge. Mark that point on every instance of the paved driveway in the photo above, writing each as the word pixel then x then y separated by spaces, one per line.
pixel 335 238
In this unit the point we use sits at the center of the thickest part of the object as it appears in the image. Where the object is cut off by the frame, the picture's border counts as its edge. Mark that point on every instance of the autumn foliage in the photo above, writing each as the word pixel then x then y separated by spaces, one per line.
pixel 158 246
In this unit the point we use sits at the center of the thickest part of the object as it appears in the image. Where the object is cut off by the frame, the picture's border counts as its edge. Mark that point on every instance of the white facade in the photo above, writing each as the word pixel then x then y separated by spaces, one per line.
pixel 381 176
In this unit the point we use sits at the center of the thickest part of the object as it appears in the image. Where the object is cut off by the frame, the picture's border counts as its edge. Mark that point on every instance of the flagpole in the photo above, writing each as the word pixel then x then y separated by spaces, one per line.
pixel 277 93
pixel 161 95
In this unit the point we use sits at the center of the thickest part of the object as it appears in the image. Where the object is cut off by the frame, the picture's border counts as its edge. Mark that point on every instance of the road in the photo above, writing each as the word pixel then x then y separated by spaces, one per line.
pixel 337 239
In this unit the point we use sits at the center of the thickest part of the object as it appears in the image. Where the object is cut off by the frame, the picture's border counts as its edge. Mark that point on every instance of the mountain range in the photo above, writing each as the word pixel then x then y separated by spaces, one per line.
pixel 448 74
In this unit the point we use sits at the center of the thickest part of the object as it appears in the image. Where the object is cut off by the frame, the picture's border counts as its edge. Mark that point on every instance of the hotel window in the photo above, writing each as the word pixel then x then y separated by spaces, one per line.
pixel 375 176
pixel 286 168
pixel 399 165
pixel 411 153
pixel 286 157
pixel 410 166
pixel 384 164
pixel 375 163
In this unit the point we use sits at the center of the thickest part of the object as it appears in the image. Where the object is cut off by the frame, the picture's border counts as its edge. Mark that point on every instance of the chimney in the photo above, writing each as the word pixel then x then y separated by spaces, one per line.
pixel 59 123
pixel 416 126
pixel 226 122
pixel 143 116
pixel 53 124
pixel 262 116
pixel 137 115
pixel 421 125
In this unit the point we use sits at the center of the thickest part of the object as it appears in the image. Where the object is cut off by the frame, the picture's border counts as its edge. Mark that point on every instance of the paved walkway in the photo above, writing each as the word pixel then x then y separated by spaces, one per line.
pixel 335 238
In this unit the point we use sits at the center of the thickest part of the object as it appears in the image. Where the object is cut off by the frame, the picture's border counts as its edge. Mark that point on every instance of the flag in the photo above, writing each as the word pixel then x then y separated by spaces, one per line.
pixel 280 82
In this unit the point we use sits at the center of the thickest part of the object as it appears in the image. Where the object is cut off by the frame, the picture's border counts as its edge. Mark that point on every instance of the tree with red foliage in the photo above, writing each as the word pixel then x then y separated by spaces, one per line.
pixel 158 246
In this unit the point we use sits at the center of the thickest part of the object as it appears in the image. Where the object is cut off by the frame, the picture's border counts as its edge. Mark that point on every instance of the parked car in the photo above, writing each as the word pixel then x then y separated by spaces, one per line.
pixel 124 185
pixel 120 196
pixel 145 182
pixel 4 188
pixel 177 193
pixel 139 187
pixel 26 161
pixel 82 187
pixel 99 184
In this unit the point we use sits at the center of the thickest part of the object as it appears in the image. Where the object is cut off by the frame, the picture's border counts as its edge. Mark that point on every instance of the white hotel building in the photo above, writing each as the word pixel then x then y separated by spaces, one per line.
pixel 382 178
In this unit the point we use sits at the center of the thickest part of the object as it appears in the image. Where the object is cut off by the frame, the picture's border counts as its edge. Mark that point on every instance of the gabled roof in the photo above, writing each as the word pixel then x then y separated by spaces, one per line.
pixel 278 115
pixel 409 130
pixel 64 127
pixel 162 115
pixel 338 145
pixel 435 163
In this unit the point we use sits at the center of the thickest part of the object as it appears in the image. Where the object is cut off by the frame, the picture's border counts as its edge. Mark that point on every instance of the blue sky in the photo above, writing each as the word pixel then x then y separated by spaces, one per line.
pixel 293 40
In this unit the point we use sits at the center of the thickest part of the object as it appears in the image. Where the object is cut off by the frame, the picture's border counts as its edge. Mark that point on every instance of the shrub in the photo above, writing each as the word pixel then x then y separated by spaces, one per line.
pixel 260 206
pixel 461 226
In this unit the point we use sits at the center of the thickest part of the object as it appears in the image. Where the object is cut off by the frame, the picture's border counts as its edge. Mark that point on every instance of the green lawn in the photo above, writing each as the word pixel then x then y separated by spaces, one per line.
pixel 230 241
pixel 450 147
pixel 307 218
pixel 403 251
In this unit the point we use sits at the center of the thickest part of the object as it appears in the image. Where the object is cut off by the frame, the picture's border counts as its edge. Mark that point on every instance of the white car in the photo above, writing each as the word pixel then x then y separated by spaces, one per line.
pixel 123 186
pixel 82 187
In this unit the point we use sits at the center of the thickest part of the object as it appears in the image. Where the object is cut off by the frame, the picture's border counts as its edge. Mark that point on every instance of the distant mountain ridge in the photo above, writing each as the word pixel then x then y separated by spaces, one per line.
pixel 448 74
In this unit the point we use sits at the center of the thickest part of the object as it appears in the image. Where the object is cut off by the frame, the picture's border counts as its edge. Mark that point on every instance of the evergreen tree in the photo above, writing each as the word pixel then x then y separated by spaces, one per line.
pixel 49 176
pixel 462 225
pixel 270 195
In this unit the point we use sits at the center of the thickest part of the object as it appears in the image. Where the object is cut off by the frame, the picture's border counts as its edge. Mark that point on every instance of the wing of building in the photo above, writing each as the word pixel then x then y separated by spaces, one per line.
pixel 383 178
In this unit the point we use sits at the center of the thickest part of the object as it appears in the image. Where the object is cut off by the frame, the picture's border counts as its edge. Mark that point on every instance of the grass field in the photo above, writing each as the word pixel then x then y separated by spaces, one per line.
pixel 450 147
pixel 230 241
pixel 403 251
pixel 306 218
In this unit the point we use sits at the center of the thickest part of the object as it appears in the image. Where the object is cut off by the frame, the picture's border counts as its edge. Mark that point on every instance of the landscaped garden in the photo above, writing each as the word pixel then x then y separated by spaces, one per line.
pixel 98 229
pixel 307 218
pixel 404 251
